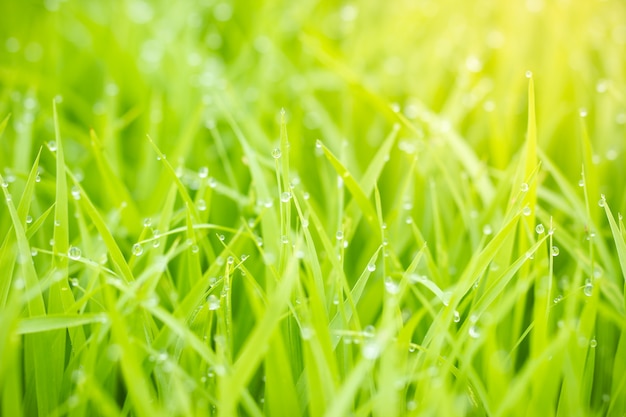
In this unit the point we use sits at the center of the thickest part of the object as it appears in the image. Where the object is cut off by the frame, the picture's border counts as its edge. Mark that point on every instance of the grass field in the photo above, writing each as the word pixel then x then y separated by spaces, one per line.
pixel 312 208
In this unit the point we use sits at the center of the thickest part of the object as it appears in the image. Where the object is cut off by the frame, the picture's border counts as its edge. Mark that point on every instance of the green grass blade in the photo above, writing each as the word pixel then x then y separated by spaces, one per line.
pixel 57 322
pixel 355 189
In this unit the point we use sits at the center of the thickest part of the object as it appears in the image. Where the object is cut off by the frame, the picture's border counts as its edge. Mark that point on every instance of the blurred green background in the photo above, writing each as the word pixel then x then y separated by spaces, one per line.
pixel 152 66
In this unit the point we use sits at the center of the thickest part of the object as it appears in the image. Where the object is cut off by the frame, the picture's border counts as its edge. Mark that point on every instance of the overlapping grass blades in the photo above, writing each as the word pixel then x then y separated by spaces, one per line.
pixel 405 237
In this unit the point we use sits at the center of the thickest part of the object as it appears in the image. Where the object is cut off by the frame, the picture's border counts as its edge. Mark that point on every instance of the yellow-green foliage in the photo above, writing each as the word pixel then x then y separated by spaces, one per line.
pixel 312 208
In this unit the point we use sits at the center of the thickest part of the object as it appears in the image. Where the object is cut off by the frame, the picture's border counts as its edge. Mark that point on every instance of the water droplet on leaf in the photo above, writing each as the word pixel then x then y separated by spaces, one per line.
pixel 213 302
pixel 137 249
pixel 74 253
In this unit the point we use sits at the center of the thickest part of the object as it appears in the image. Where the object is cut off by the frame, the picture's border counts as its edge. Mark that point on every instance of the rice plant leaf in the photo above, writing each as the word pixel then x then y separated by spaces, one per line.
pixel 117 192
pixel 100 224
pixel 620 244
pixel 57 322
pixel 257 343
pixel 355 189
pixel 3 124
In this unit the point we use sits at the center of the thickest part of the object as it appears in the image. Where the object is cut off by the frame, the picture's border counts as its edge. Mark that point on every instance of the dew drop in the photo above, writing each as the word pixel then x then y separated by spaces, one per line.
pixel 526 211
pixel 285 197
pixel 473 64
pixel 276 153
pixel 558 299
pixel 339 235
pixel 593 343
pixel 74 253
pixel 582 112
pixel 213 302
pixel 539 229
pixel 52 145
pixel 203 172
pixel 555 251
pixel 371 267
pixel 371 350
pixel 201 205
pixel 602 201
pixel 19 283
pixel 137 249
pixel 212 182
pixel 147 222
pixel 195 248
pixel 29 219
pixel 581 183
pixel 5 184
pixel 222 237
pixel 524 187
pixel 474 332
pixel 391 286
pixel 306 333
pixel 529 74
pixel 597 272
pixel 487 230
pixel 588 289
pixel 230 260
pixel 76 192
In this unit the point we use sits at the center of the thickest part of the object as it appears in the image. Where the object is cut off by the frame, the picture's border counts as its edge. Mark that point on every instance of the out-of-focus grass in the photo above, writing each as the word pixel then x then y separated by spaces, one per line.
pixel 310 208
